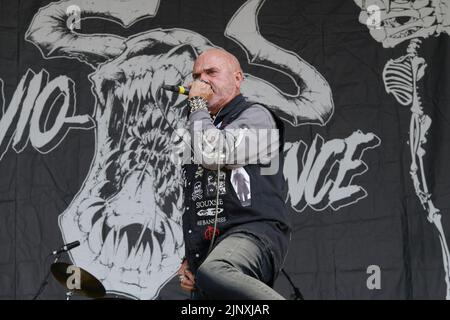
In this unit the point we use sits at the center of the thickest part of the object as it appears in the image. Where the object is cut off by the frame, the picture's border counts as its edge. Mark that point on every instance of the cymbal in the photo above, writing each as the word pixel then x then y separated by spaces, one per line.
pixel 87 285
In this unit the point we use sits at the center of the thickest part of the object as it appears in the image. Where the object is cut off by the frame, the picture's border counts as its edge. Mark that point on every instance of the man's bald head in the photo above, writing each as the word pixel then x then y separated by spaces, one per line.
pixel 230 59
pixel 223 72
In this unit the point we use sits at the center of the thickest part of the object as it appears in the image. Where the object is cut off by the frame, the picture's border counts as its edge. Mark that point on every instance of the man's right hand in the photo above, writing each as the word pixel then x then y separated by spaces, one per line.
pixel 187 278
pixel 200 88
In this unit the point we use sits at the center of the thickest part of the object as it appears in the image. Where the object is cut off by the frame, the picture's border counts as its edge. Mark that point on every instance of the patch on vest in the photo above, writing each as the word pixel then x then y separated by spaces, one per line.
pixel 206 222
pixel 212 182
pixel 197 194
pixel 240 180
pixel 199 172
pixel 209 212
pixel 209 231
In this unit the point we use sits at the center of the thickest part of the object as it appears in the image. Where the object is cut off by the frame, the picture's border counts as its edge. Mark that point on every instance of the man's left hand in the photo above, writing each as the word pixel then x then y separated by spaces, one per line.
pixel 187 278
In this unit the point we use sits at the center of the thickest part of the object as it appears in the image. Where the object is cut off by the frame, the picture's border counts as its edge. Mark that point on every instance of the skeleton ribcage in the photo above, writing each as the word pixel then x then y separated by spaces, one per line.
pixel 398 79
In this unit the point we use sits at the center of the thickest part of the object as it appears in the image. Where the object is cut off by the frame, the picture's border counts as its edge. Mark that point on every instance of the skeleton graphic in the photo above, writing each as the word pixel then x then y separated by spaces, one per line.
pixel 424 18
pixel 197 194
pixel 127 214
pixel 392 22
pixel 211 183
pixel 240 181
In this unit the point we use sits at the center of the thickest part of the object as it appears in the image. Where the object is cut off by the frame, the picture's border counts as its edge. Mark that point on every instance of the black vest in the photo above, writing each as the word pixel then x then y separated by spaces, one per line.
pixel 248 201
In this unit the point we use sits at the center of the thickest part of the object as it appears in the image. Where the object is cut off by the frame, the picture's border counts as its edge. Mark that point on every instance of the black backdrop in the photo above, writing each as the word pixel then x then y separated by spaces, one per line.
pixel 332 249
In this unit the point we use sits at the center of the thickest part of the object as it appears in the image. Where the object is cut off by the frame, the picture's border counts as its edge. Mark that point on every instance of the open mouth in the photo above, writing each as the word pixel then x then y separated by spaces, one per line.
pixel 130 219
pixel 139 139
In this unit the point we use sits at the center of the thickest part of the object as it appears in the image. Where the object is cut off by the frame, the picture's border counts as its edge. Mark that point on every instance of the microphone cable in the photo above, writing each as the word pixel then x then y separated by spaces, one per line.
pixel 217 194
pixel 216 211
pixel 163 112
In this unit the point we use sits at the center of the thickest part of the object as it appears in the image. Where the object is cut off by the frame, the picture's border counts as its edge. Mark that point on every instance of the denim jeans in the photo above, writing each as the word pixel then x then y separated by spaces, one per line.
pixel 239 268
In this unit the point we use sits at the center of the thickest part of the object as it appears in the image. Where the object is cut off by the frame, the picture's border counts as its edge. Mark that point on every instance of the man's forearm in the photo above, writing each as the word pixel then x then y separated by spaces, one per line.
pixel 252 138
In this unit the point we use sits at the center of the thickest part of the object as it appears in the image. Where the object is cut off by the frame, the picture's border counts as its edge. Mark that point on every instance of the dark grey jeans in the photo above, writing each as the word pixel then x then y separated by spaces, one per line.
pixel 238 268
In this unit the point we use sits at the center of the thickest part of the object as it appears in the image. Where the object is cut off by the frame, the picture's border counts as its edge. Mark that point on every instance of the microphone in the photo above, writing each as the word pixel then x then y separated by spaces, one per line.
pixel 177 89
pixel 66 247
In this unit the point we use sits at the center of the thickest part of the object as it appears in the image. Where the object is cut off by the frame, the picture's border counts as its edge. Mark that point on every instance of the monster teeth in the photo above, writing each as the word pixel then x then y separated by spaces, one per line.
pixel 164 184
pixel 126 155
pixel 140 123
pixel 108 166
pixel 166 126
pixel 136 132
pixel 95 238
pixel 158 175
pixel 133 260
pixel 139 93
pixel 153 120
pixel 131 255
pixel 130 131
pixel 134 90
pixel 119 92
pixel 155 141
pixel 154 89
pixel 127 148
pixel 122 251
pixel 89 202
pixel 85 219
pixel 145 85
pixel 112 156
pixel 169 240
pixel 100 185
pixel 146 118
pixel 169 231
pixel 127 89
pixel 110 244
pixel 107 249
pixel 176 231
pixel 145 258
pixel 156 258
pixel 158 122
pixel 161 141
pixel 139 256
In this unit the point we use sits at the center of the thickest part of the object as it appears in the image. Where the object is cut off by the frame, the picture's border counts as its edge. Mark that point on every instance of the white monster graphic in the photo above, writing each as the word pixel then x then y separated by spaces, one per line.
pixel 127 214
pixel 397 21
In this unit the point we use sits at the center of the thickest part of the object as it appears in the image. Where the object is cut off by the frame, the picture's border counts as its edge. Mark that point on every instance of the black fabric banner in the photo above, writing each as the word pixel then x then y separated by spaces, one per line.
pixel 86 136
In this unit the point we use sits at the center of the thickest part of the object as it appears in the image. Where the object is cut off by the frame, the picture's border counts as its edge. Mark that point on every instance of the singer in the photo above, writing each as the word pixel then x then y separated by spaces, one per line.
pixel 250 232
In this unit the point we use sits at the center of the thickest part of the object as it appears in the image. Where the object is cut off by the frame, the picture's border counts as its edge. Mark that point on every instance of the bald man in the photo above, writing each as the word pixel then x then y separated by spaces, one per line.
pixel 236 228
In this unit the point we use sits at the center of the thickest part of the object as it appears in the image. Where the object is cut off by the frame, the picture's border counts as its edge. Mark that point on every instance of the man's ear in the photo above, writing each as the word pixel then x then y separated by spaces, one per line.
pixel 238 76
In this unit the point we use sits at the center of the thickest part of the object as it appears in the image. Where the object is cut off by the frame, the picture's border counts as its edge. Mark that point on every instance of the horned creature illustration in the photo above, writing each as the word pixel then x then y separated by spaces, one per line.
pixel 127 214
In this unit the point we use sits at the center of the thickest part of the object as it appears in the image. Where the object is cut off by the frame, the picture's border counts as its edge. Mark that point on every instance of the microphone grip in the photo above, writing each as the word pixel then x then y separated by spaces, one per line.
pixel 177 89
